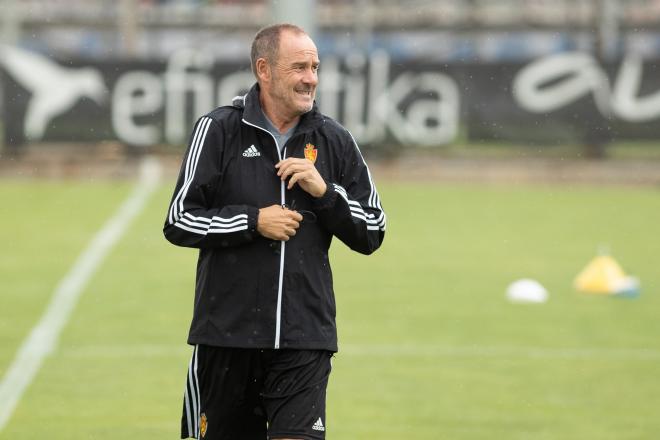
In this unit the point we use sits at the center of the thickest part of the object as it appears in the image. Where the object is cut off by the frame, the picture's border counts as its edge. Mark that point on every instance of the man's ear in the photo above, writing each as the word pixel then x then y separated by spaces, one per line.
pixel 263 69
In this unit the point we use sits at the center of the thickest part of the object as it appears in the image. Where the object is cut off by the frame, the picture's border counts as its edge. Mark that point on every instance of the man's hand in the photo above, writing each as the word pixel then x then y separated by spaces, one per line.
pixel 278 223
pixel 304 173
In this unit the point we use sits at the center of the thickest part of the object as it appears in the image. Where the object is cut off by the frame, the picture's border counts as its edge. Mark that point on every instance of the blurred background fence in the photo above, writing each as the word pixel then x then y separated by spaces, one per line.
pixel 397 74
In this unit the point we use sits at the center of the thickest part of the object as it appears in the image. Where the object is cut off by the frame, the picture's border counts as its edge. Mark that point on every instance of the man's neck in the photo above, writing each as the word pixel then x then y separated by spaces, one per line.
pixel 279 121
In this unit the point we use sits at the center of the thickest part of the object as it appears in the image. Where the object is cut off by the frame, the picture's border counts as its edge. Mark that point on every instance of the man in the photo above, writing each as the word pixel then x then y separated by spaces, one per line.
pixel 265 185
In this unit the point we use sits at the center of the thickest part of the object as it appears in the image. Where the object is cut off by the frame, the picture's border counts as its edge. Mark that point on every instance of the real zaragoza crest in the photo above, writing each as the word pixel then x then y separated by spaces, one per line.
pixel 203 424
pixel 310 152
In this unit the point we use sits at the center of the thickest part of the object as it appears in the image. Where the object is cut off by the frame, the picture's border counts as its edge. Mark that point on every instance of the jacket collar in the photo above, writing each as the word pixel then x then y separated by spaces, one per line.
pixel 253 115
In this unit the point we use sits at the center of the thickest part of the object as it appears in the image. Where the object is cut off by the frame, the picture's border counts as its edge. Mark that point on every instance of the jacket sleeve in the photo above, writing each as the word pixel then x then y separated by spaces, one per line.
pixel 192 219
pixel 350 209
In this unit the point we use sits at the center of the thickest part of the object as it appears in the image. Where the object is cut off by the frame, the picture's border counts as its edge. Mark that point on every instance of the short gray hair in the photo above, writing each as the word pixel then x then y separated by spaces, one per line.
pixel 267 42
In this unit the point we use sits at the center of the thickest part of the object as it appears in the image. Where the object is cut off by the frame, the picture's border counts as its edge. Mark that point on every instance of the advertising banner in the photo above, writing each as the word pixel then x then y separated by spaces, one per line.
pixel 567 97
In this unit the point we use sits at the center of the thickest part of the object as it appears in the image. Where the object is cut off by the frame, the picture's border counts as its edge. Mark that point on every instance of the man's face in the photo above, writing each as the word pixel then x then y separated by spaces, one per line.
pixel 295 73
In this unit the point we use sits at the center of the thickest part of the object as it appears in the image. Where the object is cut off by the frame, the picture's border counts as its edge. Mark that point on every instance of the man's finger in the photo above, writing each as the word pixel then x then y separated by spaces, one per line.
pixel 290 222
pixel 283 165
pixel 287 161
pixel 297 164
pixel 284 171
pixel 290 169
pixel 293 181
pixel 292 175
pixel 302 176
pixel 294 215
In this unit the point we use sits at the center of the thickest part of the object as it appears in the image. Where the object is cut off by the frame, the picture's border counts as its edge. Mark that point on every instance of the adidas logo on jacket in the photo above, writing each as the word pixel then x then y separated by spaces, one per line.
pixel 251 152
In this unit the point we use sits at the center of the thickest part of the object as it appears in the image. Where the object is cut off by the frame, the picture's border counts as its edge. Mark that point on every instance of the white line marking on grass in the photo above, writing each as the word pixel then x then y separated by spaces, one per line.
pixel 44 336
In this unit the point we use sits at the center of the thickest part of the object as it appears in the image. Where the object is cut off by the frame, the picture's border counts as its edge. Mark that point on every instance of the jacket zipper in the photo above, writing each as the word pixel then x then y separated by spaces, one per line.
pixel 280 284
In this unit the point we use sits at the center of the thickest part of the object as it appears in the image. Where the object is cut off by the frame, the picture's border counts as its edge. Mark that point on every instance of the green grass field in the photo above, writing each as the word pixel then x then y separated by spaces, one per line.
pixel 429 346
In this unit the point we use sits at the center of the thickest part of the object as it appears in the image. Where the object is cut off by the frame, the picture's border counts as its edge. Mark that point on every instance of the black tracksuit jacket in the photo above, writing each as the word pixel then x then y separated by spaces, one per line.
pixel 252 292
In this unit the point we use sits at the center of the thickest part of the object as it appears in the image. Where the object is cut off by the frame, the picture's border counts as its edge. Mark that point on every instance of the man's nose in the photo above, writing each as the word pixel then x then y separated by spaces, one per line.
pixel 310 77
